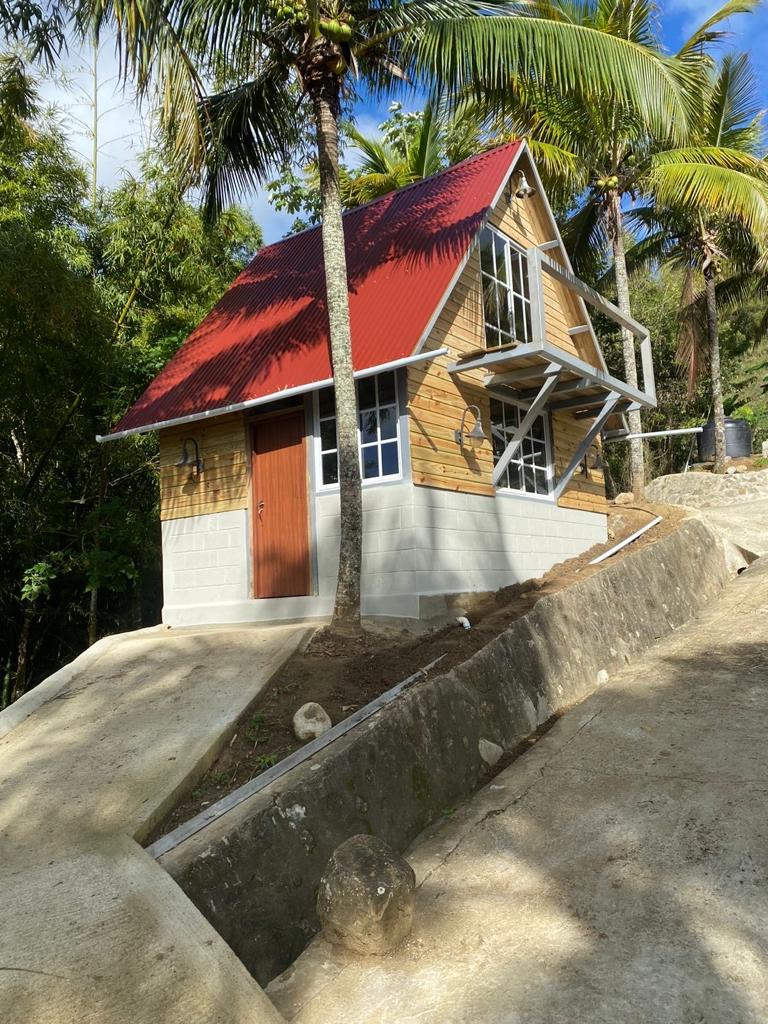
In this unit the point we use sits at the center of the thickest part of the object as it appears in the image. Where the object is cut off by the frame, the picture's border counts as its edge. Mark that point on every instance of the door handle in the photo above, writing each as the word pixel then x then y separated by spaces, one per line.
pixel 260 508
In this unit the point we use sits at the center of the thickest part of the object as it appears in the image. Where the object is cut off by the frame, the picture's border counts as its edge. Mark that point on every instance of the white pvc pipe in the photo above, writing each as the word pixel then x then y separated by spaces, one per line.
pixel 656 433
pixel 627 540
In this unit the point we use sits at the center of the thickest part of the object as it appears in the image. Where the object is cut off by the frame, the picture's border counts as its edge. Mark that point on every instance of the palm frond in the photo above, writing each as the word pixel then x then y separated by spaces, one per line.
pixel 709 33
pixel 477 55
pixel 378 156
pixel 716 190
pixel 250 131
pixel 648 252
pixel 735 119
pixel 586 240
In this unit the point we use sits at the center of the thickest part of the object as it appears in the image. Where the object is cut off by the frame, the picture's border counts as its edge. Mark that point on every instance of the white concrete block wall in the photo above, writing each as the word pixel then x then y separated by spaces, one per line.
pixel 421 540
pixel 205 567
pixel 417 541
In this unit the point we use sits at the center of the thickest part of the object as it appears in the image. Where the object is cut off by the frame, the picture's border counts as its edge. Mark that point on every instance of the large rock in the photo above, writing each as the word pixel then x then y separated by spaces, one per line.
pixel 310 721
pixel 490 752
pixel 365 899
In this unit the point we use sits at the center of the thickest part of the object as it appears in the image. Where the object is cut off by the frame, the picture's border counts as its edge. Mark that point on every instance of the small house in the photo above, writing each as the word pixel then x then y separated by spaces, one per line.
pixel 482 393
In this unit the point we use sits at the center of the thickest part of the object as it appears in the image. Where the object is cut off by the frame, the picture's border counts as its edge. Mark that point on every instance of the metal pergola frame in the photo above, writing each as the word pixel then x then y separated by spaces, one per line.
pixel 567 382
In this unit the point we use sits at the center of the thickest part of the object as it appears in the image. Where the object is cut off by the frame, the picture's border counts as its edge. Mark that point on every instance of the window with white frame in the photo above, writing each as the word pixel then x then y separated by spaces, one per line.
pixel 530 469
pixel 378 430
pixel 506 292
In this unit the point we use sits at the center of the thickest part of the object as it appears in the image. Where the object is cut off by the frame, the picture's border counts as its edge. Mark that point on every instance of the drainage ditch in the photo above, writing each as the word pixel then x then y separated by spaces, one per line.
pixel 252 866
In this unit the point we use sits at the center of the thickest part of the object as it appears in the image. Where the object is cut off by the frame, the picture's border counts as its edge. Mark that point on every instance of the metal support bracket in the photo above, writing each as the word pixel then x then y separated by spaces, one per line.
pixel 526 373
pixel 611 401
pixel 527 422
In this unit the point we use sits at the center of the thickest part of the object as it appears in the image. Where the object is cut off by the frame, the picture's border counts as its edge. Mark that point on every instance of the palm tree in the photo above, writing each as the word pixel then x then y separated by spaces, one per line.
pixel 410 147
pixel 606 154
pixel 277 64
pixel 721 218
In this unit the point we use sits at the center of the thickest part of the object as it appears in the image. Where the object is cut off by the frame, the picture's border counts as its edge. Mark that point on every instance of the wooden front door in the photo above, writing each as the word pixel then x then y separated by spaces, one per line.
pixel 280 519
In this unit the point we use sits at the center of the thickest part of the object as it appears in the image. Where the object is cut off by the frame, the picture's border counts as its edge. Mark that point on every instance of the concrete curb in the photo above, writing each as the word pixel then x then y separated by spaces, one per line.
pixel 26 705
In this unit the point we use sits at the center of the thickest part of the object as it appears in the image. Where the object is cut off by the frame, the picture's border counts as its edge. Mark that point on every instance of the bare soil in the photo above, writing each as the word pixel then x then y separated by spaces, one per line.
pixel 344 674
pixel 743 464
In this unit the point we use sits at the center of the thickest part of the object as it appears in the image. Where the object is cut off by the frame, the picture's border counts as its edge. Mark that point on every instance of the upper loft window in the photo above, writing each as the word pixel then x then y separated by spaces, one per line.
pixel 530 469
pixel 378 430
pixel 506 293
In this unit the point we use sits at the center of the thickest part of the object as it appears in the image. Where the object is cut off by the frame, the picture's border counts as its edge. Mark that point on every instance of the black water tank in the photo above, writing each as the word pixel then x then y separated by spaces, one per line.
pixel 738 440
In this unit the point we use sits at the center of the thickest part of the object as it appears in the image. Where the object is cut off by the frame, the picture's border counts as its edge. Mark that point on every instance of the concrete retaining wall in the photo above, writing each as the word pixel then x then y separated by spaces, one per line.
pixel 253 873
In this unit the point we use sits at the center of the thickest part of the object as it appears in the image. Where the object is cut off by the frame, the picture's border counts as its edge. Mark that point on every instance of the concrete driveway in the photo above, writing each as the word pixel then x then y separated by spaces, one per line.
pixel 737 504
pixel 92 929
pixel 615 874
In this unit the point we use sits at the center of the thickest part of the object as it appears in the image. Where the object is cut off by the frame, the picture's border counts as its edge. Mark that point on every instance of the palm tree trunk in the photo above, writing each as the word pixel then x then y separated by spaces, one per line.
pixel 636 461
pixel 718 412
pixel 346 612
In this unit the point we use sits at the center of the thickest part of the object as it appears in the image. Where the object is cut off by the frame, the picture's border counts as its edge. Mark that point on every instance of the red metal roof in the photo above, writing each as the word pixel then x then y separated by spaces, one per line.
pixel 269 331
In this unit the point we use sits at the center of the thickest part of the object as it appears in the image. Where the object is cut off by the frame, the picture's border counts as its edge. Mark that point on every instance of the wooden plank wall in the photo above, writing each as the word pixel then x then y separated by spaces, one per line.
pixel 436 400
pixel 586 493
pixel 223 484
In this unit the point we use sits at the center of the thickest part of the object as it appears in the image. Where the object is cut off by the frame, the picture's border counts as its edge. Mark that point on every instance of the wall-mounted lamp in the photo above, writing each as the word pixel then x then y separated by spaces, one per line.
pixel 476 435
pixel 592 460
pixel 187 460
pixel 523 189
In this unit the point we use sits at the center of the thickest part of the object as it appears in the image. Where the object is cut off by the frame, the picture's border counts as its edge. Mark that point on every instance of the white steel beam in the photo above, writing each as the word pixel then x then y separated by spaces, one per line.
pixel 526 373
pixel 527 422
pixel 610 404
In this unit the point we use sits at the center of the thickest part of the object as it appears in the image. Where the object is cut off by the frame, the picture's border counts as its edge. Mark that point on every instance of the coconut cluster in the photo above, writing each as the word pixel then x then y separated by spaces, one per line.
pixel 293 11
pixel 338 30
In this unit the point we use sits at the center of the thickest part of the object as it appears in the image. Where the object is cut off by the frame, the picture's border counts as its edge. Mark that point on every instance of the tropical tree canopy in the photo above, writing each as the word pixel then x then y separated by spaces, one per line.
pixel 77 518
pixel 262 59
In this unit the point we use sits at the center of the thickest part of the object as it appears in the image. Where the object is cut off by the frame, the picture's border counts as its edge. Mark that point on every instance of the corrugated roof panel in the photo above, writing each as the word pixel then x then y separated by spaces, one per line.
pixel 269 331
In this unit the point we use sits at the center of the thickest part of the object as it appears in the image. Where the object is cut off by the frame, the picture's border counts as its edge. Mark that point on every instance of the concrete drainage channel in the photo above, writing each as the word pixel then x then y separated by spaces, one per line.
pixel 253 869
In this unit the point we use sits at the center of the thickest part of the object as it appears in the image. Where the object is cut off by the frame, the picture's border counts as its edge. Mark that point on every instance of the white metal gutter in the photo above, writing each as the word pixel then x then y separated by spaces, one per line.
pixel 300 389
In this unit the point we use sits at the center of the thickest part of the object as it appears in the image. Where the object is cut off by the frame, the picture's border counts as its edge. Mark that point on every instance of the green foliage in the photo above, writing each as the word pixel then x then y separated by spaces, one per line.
pixel 410 145
pixel 92 304
pixel 38 578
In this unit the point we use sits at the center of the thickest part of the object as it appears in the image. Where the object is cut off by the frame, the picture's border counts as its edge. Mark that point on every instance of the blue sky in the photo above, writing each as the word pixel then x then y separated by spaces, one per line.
pixel 123 129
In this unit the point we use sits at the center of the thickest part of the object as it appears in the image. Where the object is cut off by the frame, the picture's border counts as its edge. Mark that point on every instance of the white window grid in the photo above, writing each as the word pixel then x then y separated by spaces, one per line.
pixel 378 434
pixel 530 470
pixel 506 290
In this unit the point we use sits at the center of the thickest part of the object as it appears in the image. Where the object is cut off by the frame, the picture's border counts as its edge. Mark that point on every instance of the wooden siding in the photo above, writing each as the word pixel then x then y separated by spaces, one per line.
pixel 437 399
pixel 585 493
pixel 223 484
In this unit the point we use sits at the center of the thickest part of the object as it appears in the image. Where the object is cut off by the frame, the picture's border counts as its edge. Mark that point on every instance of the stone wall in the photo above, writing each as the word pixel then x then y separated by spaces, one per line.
pixel 253 873
pixel 706 490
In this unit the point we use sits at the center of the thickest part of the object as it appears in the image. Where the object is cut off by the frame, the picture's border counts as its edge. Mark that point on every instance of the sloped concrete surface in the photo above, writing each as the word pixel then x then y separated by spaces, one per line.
pixel 92 929
pixel 616 874
pixel 736 504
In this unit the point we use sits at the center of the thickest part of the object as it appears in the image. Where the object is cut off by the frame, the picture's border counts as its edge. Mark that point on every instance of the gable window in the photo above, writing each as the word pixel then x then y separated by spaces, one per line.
pixel 506 293
pixel 378 430
pixel 530 470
